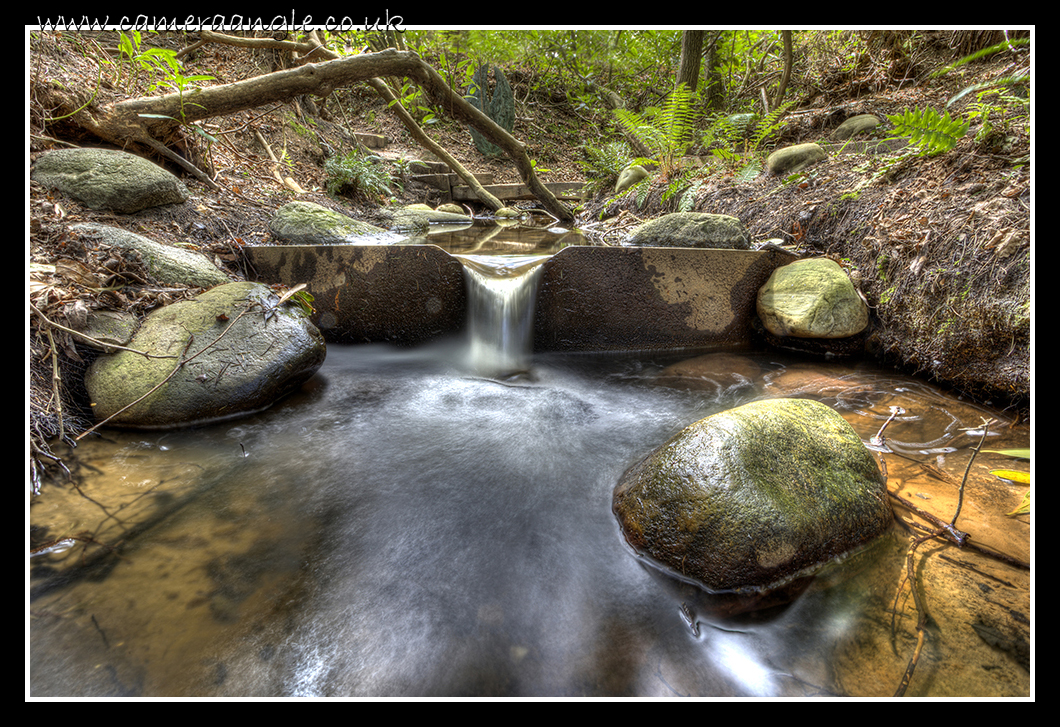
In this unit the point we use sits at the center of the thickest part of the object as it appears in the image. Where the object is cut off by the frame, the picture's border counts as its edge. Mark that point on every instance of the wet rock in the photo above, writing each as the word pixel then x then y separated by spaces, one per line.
pixel 693 229
pixel 307 223
pixel 261 356
pixel 420 217
pixel 811 299
pixel 792 159
pixel 716 372
pixel 109 179
pixel 754 498
pixel 166 263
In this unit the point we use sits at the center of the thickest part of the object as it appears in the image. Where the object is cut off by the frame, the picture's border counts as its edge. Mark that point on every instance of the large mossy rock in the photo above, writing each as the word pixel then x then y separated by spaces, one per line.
pixel 752 498
pixel 811 299
pixel 108 179
pixel 308 223
pixel 166 263
pixel 693 229
pixel 267 353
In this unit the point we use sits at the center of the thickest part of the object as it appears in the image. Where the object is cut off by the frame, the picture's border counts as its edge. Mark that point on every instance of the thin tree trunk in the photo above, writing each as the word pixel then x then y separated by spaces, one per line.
pixel 779 98
pixel 418 134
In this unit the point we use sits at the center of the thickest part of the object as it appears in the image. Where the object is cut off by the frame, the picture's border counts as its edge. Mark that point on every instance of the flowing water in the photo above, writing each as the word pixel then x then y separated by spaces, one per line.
pixel 420 523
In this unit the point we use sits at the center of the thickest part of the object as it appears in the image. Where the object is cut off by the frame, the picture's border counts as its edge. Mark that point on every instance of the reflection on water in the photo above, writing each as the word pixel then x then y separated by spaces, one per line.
pixel 404 527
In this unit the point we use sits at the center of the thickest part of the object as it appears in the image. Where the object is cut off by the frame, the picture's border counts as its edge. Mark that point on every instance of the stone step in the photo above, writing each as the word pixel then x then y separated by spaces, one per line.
pixel 372 141
pixel 562 190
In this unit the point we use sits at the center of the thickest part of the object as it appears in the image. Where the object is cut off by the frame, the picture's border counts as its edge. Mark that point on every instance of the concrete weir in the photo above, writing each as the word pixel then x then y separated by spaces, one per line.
pixel 589 298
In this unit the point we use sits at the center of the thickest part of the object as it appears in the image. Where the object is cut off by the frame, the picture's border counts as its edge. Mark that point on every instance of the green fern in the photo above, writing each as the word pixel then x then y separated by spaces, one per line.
pixel 666 132
pixel 602 165
pixel 928 131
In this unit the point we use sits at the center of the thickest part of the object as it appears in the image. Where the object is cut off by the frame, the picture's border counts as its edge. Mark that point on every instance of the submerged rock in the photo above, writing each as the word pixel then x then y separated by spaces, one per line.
pixel 233 365
pixel 751 499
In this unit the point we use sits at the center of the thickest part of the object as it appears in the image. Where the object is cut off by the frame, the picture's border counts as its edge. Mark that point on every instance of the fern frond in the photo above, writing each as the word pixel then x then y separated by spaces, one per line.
pixel 770 124
pixel 1003 45
pixel 931 132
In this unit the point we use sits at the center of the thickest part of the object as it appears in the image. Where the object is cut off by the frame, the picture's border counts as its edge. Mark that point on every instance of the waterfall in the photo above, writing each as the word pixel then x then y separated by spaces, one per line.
pixel 501 294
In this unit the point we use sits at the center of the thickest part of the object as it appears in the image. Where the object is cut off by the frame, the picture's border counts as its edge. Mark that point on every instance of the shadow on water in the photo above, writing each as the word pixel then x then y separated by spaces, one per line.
pixel 407 526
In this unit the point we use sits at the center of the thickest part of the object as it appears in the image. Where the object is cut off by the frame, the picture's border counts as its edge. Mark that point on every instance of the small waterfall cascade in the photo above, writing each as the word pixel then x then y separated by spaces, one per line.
pixel 501 294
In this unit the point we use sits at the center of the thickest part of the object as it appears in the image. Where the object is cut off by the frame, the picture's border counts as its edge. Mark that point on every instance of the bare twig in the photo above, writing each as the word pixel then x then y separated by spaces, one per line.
pixel 910 570
pixel 180 365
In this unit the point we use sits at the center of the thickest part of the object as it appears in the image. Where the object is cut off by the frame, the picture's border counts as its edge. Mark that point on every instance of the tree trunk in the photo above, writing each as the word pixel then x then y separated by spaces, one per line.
pixel 779 98
pixel 146 120
pixel 712 83
pixel 691 50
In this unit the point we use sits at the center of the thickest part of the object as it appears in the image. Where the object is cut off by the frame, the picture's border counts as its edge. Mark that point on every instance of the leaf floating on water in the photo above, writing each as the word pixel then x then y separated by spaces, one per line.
pixel 1024 506
pixel 1023 478
pixel 1018 453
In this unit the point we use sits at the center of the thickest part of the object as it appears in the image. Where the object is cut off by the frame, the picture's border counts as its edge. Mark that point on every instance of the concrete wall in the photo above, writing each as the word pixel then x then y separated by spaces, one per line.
pixel 590 298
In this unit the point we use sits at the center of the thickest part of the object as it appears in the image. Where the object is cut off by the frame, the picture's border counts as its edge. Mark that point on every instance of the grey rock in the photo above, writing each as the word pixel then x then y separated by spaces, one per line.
pixel 860 124
pixel 752 498
pixel 308 223
pixel 109 179
pixel 630 176
pixel 234 364
pixel 693 229
pixel 168 264
pixel 793 159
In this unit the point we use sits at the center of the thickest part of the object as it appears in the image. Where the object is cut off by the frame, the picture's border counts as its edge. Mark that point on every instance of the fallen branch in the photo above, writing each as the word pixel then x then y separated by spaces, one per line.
pixel 419 135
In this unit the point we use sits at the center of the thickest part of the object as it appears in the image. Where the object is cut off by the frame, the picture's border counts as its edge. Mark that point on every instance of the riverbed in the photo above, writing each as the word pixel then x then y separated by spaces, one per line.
pixel 405 526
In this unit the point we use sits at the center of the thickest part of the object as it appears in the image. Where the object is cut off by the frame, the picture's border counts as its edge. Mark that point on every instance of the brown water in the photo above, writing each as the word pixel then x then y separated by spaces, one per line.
pixel 410 524
pixel 404 528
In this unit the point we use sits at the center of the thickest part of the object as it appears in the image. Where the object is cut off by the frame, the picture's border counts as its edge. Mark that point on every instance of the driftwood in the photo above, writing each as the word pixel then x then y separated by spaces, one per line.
pixel 149 119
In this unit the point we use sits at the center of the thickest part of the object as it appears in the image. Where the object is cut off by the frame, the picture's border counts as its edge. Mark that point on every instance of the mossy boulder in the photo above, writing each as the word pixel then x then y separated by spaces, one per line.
pixel 233 364
pixel 108 179
pixel 693 229
pixel 166 263
pixel 308 223
pixel 793 159
pixel 811 298
pixel 749 499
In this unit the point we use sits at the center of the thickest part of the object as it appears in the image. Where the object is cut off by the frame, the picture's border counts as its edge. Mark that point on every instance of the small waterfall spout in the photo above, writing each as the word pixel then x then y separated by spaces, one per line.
pixel 501 294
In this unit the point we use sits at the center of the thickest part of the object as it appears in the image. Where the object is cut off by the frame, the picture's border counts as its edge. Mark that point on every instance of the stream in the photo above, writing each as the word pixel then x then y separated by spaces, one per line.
pixel 414 523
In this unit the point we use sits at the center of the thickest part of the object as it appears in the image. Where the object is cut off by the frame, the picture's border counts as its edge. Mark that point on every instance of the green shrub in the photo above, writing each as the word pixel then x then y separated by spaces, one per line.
pixel 357 174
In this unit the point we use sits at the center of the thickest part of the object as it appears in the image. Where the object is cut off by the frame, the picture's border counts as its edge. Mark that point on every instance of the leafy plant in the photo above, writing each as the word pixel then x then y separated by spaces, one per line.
pixel 603 164
pixel 666 132
pixel 992 109
pixel 358 173
pixel 929 132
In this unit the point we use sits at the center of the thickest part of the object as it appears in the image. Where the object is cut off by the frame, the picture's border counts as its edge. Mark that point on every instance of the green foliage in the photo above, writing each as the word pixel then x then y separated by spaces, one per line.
pixel 499 107
pixel 928 131
pixel 357 173
pixel 993 110
pixel 603 164
pixel 685 187
pixel 163 63
pixel 666 132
